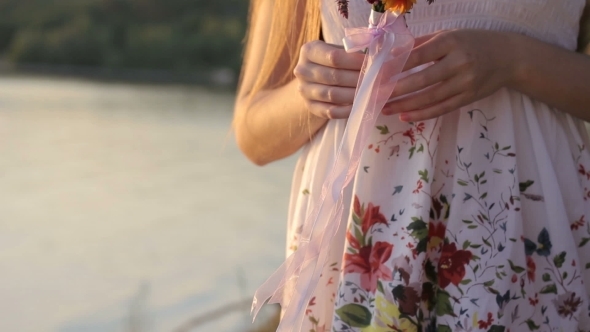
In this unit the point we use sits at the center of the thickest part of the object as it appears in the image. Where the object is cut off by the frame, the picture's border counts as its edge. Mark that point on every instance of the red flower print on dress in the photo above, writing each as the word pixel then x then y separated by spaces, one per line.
pixel 370 263
pixel 356 206
pixel 420 127
pixel 370 216
pixel 419 186
pixel 485 324
pixel 452 265
pixel 531 267
pixel 436 234
pixel 577 224
pixel 310 304
pixel 567 304
pixel 410 134
pixel 583 171
pixel 352 240
pixel 437 230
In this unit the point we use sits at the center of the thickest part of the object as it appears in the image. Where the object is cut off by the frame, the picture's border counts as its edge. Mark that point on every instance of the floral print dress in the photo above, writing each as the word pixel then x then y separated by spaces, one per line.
pixel 475 221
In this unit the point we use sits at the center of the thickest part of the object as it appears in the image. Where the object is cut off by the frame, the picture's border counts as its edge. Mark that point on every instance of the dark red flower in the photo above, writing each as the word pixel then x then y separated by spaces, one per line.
pixel 407 298
pixel 437 230
pixel 451 267
pixel 371 217
pixel 370 263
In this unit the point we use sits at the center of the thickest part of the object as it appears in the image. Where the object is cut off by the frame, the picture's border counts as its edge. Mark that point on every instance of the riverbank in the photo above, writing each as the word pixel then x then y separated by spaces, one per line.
pixel 221 79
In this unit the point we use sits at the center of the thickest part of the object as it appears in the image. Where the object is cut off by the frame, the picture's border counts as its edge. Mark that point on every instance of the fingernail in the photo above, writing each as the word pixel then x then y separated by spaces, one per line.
pixel 404 117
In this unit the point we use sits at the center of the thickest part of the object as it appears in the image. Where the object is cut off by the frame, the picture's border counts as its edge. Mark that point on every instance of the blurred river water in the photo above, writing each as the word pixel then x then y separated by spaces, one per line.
pixel 129 208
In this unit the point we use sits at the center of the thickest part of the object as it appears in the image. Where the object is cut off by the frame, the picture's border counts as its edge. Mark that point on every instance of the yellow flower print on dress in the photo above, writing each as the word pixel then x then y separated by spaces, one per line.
pixel 387 317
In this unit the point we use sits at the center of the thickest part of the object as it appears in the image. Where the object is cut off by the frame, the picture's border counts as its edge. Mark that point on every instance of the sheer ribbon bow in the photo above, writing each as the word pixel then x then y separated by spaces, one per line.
pixel 388 43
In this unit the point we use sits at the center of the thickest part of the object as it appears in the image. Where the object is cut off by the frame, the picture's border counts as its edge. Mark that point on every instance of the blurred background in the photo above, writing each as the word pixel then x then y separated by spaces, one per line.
pixel 124 203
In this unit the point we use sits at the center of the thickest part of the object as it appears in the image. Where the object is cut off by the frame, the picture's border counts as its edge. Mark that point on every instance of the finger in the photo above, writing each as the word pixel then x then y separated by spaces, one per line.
pixel 430 50
pixel 328 111
pixel 315 73
pixel 327 93
pixel 422 39
pixel 423 99
pixel 449 105
pixel 439 72
pixel 331 56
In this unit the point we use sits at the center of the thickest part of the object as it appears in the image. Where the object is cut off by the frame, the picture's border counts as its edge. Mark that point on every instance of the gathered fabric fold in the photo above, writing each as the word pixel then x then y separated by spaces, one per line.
pixel 388 44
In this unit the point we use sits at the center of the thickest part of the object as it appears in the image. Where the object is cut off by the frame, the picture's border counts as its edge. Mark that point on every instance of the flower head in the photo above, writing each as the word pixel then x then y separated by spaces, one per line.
pixel 567 304
pixel 398 6
pixel 370 263
pixel 452 265
pixel 372 216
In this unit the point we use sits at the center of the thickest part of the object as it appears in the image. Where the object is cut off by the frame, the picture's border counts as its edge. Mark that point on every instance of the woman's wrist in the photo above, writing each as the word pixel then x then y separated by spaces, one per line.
pixel 518 63
pixel 550 74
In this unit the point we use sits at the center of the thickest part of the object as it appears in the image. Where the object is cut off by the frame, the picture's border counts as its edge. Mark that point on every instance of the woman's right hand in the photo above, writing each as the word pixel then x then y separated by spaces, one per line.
pixel 327 77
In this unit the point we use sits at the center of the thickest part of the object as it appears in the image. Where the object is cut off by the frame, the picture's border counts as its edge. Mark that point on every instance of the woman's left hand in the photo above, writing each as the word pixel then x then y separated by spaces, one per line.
pixel 468 65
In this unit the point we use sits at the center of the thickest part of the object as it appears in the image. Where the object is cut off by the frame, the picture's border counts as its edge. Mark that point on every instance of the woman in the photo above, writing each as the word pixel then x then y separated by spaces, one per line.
pixel 470 208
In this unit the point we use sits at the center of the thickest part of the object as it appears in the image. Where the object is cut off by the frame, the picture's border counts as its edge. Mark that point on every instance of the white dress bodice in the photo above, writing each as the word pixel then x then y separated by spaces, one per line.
pixel 553 21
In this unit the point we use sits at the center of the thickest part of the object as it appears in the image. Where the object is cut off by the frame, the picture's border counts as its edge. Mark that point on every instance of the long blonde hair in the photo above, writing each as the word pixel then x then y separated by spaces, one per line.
pixel 584 37
pixel 294 23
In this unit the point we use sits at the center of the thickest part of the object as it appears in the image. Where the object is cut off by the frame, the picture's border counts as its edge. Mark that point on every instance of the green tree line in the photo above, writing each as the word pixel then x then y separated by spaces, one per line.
pixel 175 35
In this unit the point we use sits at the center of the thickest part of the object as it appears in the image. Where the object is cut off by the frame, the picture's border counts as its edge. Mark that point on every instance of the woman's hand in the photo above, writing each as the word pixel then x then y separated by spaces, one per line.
pixel 468 65
pixel 327 77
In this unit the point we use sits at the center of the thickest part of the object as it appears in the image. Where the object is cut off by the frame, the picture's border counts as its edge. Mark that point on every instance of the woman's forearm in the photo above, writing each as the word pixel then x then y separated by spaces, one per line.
pixel 274 124
pixel 555 76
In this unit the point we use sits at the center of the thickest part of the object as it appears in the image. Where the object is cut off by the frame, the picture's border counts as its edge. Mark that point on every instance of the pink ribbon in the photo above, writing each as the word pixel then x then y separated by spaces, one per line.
pixel 388 44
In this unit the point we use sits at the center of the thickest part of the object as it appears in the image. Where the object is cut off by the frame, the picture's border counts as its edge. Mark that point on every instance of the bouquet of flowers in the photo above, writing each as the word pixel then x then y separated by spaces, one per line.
pixel 380 6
